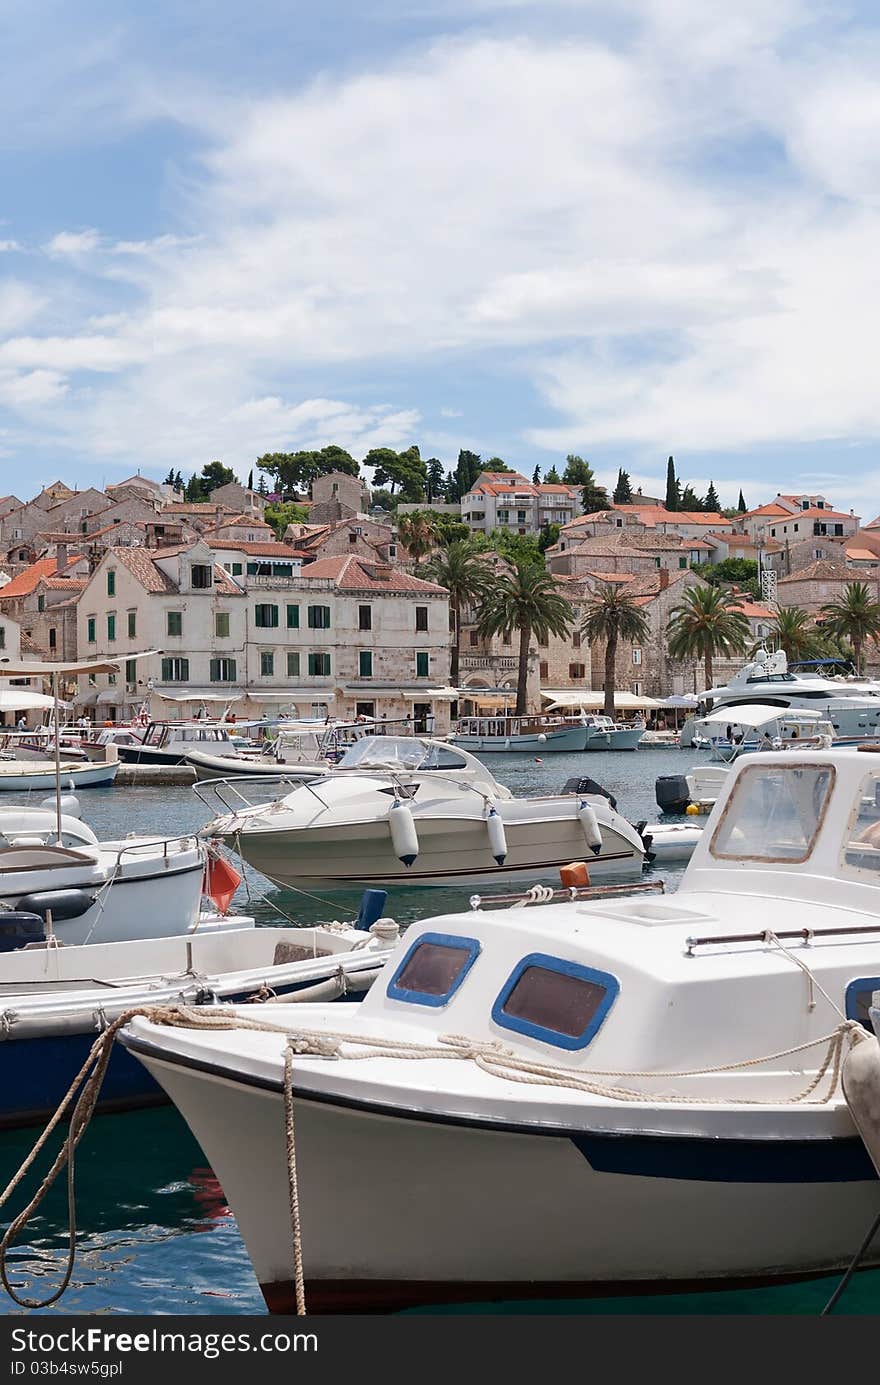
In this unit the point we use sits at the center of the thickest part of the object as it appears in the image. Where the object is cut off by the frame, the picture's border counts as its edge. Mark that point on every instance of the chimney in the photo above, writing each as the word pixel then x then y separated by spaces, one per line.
pixel 383 570
pixel 664 578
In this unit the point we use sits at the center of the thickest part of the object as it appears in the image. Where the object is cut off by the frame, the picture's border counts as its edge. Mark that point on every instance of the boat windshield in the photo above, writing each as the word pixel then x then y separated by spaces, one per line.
pixel 400 752
pixel 862 841
pixel 774 813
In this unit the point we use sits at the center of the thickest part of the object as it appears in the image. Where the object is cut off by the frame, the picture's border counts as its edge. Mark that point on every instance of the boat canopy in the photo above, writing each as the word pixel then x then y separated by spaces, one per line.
pixel 595 697
pixel 757 713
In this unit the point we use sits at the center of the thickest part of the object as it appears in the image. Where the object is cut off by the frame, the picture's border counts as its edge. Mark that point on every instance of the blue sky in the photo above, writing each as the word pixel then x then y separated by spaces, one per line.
pixel 524 228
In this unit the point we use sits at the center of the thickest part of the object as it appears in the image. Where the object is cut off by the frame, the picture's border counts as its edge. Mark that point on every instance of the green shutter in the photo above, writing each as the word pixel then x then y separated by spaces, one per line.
pixel 366 664
pixel 293 665
pixel 132 624
pixel 111 627
pixel 90 630
pixel 111 583
pixel 293 617
pixel 421 666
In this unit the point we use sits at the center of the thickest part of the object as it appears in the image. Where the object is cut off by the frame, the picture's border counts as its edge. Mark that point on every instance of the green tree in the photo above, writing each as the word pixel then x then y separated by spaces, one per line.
pixel 793 631
pixel 623 490
pixel 458 568
pixel 496 464
pixel 612 616
pixel 593 496
pixel 384 500
pixel 741 505
pixel 250 480
pixel 435 479
pixel 742 572
pixel 536 476
pixel 295 471
pixel 712 504
pixel 552 478
pixel 401 471
pixel 854 616
pixel 418 533
pixel 281 514
pixel 548 536
pixel 448 527
pixel 527 600
pixel 577 471
pixel 517 548
pixel 689 501
pixel 707 622
pixel 262 488
pixel 467 469
pixel 673 494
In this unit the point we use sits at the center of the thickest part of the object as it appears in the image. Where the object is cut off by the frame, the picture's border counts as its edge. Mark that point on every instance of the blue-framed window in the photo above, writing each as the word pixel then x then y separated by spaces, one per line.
pixel 433 969
pixel 858 999
pixel 560 1003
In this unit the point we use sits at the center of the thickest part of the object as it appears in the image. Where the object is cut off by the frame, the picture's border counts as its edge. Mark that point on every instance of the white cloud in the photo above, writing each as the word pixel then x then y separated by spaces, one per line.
pixel 670 234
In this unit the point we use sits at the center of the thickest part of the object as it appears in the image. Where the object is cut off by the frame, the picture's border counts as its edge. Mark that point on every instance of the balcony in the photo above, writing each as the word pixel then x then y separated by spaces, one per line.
pixel 501 663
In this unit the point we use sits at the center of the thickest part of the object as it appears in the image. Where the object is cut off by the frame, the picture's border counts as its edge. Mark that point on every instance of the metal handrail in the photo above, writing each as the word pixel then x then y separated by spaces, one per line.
pixel 570 894
pixel 806 935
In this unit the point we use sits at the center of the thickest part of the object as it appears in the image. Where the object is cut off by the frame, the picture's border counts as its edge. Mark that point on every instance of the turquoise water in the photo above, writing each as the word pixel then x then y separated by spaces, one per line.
pixel 154 1232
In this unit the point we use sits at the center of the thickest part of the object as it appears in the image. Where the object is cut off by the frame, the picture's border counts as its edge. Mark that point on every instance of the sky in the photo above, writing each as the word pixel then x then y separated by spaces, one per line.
pixel 524 227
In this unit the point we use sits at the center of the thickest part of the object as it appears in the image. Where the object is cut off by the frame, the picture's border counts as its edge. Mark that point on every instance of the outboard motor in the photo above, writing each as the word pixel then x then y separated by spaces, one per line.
pixel 18 928
pixel 585 785
pixel 672 794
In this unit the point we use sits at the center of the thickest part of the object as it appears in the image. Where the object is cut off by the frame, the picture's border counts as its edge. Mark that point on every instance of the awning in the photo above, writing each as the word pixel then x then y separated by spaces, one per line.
pixel 197 696
pixel 409 690
pixel 488 697
pixel 595 697
pixel 89 699
pixel 290 695
pixel 679 700
pixel 110 697
pixel 21 700
pixel 757 713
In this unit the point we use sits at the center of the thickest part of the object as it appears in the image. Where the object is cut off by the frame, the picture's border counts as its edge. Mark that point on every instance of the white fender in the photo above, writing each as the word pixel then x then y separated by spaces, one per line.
pixel 542 738
pixel 497 837
pixel 403 832
pixel 590 824
pixel 860 1079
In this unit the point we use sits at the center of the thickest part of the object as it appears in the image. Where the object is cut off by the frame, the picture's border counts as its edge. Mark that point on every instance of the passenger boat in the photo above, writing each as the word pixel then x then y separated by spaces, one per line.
pixel 53 1001
pixel 411 811
pixel 618 1095
pixel 519 735
pixel 604 733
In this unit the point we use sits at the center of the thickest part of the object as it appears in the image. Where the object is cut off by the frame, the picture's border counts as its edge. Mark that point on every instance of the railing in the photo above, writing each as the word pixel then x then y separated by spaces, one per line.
pixel 504 662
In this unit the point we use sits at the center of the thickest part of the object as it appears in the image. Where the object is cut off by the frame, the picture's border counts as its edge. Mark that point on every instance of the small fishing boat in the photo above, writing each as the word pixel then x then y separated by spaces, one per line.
pixel 411 811
pixel 54 1000
pixel 522 735
pixel 550 1101
pixel 25 776
pixel 604 733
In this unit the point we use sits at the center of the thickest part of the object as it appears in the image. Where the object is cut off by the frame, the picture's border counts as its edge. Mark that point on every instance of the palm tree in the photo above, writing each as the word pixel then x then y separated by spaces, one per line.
pixel 525 599
pixel 793 631
pixel 418 533
pixel 854 617
pixel 458 568
pixel 611 615
pixel 706 622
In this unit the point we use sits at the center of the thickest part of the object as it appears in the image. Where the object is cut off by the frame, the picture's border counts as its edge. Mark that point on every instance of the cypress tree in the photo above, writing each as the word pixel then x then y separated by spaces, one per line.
pixel 673 494
pixel 742 504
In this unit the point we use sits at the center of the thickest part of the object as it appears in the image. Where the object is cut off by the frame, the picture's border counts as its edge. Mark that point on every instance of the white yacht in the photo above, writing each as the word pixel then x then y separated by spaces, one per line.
pixel 548 1101
pixel 852 708
pixel 406 810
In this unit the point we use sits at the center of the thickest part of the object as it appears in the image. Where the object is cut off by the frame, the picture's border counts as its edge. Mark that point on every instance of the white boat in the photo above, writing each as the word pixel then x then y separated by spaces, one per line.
pixel 547 1101
pixel 759 728
pixel 604 733
pixel 54 1000
pixel 522 735
pixel 411 811
pixel 25 776
pixel 98 891
pixel 852 708
pixel 295 752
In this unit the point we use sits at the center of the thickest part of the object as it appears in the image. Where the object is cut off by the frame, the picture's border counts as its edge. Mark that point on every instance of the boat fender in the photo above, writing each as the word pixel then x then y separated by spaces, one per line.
pixel 403 832
pixel 221 880
pixel 590 824
pixel 860 1079
pixel 574 876
pixel 62 904
pixel 372 904
pixel 18 929
pixel 542 739
pixel 497 837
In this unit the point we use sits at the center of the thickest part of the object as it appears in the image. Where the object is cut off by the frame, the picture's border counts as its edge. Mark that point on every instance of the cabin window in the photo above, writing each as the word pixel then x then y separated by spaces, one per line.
pixel 862 842
pixel 774 813
pixel 433 969
pixel 561 1003
pixel 858 1000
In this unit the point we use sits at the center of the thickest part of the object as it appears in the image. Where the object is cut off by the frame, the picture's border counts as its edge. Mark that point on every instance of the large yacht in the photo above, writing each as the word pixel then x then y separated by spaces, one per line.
pixel 853 708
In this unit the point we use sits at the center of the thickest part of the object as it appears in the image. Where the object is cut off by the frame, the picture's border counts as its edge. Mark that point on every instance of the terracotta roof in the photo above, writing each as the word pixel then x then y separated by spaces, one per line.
pixel 26 581
pixel 140 564
pixel 824 569
pixel 771 509
pixel 613 576
pixel 62 584
pixel 821 514
pixel 351 572
pixel 256 550
pixel 193 507
pixel 243 519
pixel 861 553
pixel 754 610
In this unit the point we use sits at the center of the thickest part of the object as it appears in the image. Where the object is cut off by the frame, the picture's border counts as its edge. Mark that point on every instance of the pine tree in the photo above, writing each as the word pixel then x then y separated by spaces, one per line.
pixel 536 476
pixel 552 478
pixel 623 490
pixel 712 503
pixel 741 506
pixel 673 493
pixel 689 501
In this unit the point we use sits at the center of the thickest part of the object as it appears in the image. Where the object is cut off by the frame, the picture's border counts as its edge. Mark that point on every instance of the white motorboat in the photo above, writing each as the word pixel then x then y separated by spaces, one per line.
pixel 604 733
pixel 25 776
pixel 550 1100
pixel 852 708
pixel 299 752
pixel 98 891
pixel 54 1000
pixel 519 735
pixel 759 728
pixel 411 811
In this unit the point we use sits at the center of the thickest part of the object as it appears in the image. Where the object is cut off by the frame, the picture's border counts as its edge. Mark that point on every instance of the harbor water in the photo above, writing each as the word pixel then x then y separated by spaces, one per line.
pixel 154 1232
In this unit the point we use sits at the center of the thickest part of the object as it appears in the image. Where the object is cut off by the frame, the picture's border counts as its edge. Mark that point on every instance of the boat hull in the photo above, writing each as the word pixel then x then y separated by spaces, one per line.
pixel 28 775
pixel 535 743
pixel 569 1213
pixel 618 739
pixel 450 851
